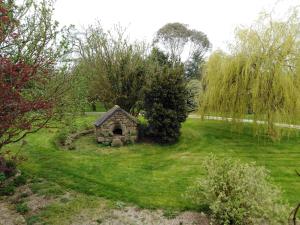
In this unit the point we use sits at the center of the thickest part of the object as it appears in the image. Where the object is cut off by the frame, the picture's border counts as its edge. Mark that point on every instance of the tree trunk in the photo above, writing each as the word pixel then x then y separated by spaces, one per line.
pixel 94 108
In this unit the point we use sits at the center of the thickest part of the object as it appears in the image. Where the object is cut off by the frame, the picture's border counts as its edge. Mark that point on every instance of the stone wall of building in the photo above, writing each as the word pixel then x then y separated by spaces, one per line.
pixel 105 133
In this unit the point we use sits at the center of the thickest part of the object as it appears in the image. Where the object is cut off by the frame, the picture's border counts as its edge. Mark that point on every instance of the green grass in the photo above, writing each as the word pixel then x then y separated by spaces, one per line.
pixel 66 210
pixel 153 176
pixel 99 107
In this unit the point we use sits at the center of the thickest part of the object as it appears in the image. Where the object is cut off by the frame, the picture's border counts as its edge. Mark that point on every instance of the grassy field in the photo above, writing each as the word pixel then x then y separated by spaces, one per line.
pixel 153 176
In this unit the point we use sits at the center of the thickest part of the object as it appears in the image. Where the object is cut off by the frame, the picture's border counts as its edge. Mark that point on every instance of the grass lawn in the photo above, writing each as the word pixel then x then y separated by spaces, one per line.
pixel 154 176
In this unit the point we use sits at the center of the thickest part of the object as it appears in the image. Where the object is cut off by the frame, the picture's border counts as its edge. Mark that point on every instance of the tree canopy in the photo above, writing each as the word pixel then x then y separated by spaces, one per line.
pixel 116 68
pixel 30 82
pixel 175 37
pixel 261 75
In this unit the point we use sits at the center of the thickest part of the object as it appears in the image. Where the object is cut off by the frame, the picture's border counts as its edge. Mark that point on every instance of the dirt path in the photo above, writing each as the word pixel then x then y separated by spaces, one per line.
pixel 9 216
pixel 104 213
pixel 135 216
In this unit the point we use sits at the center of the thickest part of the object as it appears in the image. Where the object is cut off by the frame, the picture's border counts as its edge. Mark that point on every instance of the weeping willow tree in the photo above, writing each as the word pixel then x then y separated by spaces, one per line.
pixel 260 76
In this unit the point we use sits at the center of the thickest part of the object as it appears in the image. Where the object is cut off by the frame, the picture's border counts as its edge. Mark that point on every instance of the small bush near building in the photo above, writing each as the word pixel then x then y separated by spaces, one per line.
pixel 238 193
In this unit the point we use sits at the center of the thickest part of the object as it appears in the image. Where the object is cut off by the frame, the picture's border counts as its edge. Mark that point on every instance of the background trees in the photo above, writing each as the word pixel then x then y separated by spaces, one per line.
pixel 260 76
pixel 116 68
pixel 174 38
pixel 187 46
pixel 32 34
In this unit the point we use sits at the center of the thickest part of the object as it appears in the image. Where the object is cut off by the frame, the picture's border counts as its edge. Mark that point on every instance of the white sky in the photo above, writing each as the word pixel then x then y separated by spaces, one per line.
pixel 216 18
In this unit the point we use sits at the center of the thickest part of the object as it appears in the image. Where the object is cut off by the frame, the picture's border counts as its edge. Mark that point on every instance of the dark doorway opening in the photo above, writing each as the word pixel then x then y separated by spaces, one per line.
pixel 117 130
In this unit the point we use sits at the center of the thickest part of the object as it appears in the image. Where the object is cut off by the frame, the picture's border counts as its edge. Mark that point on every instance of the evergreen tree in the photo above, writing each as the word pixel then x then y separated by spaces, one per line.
pixel 165 104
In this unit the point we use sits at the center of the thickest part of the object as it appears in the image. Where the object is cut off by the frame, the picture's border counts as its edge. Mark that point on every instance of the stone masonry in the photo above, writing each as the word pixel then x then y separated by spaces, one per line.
pixel 116 124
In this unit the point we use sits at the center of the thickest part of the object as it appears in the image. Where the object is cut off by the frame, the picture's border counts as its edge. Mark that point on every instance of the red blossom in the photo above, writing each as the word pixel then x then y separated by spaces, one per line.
pixel 19 110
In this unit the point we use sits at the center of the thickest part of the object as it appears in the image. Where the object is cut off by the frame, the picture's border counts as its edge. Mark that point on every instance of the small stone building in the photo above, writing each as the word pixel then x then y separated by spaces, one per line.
pixel 116 124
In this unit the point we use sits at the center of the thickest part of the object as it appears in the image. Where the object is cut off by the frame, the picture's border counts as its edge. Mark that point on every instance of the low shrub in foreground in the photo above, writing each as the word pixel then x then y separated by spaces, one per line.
pixel 238 194
pixel 19 181
pixel 7 190
pixel 7 167
pixel 22 208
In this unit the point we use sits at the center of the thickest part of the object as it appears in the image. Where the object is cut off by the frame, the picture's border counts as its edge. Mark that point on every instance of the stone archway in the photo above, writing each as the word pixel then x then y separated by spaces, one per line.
pixel 117 129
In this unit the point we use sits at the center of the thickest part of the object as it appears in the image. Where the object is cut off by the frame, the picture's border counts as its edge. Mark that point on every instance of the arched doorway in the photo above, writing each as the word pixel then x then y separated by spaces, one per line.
pixel 117 129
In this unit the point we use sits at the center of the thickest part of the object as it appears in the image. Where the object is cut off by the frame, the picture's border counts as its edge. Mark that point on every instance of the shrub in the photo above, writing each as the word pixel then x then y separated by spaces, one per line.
pixel 2 177
pixel 19 180
pixel 7 190
pixel 8 167
pixel 22 208
pixel 238 194
pixel 142 131
pixel 65 132
pixel 71 146
pixel 165 104
pixel 62 136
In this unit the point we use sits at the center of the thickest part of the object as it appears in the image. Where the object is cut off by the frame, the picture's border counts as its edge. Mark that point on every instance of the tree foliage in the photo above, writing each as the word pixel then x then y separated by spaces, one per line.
pixel 20 107
pixel 175 37
pixel 116 68
pixel 31 84
pixel 194 90
pixel 260 76
pixel 194 66
pixel 32 35
pixel 165 103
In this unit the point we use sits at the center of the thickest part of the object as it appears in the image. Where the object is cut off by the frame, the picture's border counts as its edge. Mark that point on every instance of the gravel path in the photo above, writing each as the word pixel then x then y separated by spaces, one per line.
pixel 9 216
pixel 135 216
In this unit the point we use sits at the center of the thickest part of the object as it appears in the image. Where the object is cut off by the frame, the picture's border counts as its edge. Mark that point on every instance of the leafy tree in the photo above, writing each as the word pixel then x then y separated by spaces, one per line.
pixel 165 103
pixel 194 90
pixel 117 68
pixel 32 35
pixel 260 76
pixel 194 67
pixel 157 57
pixel 20 108
pixel 29 77
pixel 175 37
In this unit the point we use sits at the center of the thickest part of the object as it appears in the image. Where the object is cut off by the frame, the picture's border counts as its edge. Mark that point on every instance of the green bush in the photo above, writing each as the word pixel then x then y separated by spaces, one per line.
pixel 62 136
pixel 2 177
pixel 65 132
pixel 19 180
pixel 165 104
pixel 142 131
pixel 239 194
pixel 22 208
pixel 8 166
pixel 7 190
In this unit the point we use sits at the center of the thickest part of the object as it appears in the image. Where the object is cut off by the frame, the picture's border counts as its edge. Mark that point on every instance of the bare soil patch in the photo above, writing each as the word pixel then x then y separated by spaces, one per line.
pixel 135 216
pixel 103 214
